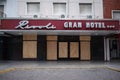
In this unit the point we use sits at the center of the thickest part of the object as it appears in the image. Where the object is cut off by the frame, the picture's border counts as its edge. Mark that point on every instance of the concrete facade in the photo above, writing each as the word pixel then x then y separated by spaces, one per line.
pixel 18 8
pixel 83 31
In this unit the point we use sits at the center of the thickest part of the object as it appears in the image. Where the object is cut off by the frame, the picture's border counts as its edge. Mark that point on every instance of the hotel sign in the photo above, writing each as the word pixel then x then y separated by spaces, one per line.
pixel 97 25
pixel 36 24
pixel 24 25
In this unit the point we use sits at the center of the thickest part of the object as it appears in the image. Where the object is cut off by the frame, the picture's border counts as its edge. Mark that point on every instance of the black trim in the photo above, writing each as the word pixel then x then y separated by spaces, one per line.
pixel 12 48
pixel 1 47
pixel 29 40
pixel 8 34
pixel 29 59
pixel 62 38
pixel 79 51
pixel 57 50
pixel 97 48
pixel 41 48
pixel 15 48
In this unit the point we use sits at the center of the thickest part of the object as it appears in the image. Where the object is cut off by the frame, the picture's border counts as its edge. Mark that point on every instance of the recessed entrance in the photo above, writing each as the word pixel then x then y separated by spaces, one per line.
pixel 68 51
pixel 97 48
pixel 114 49
pixel 68 48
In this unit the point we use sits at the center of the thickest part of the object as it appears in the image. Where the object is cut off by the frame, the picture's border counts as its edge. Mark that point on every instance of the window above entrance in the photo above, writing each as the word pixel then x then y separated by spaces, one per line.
pixel 116 14
pixel 59 9
pixel 85 10
pixel 1 10
pixel 33 8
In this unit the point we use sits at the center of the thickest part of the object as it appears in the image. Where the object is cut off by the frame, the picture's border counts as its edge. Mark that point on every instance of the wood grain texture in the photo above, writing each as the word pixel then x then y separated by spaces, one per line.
pixel 51 37
pixel 63 50
pixel 74 49
pixel 85 50
pixel 51 50
pixel 29 49
pixel 29 37
pixel 85 38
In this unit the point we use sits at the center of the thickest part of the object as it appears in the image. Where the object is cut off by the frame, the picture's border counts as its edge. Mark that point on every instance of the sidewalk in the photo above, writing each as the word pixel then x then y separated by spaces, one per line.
pixel 114 65
pixel 59 70
pixel 58 64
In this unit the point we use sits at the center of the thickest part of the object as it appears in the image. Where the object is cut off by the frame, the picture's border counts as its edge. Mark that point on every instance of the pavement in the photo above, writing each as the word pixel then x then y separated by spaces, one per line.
pixel 59 70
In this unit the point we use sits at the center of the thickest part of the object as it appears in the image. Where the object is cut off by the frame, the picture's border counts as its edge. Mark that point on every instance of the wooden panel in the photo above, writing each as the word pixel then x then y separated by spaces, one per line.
pixel 51 37
pixel 30 37
pixel 85 38
pixel 63 50
pixel 74 50
pixel 30 49
pixel 85 50
pixel 51 50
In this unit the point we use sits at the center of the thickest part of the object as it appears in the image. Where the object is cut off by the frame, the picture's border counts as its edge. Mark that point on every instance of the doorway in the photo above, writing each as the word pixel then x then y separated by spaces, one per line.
pixel 114 49
pixel 68 51
pixel 97 48
pixel 11 47
pixel 68 48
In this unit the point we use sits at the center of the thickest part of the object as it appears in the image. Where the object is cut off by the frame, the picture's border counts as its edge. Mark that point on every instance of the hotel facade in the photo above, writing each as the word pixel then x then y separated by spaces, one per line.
pixel 46 30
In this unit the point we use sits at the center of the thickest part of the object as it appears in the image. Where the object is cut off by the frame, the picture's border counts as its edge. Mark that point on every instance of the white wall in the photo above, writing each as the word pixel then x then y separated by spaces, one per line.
pixel 98 4
pixel 18 8
pixel 97 7
pixel 11 8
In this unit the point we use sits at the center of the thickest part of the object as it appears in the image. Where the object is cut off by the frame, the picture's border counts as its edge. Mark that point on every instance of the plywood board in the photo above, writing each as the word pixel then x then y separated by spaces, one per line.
pixel 51 50
pixel 29 49
pixel 74 49
pixel 85 38
pixel 63 50
pixel 30 37
pixel 85 50
pixel 51 37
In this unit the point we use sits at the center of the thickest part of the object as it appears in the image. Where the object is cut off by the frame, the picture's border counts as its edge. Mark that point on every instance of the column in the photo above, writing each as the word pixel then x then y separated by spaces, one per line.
pixel 29 46
pixel 85 48
pixel 51 47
